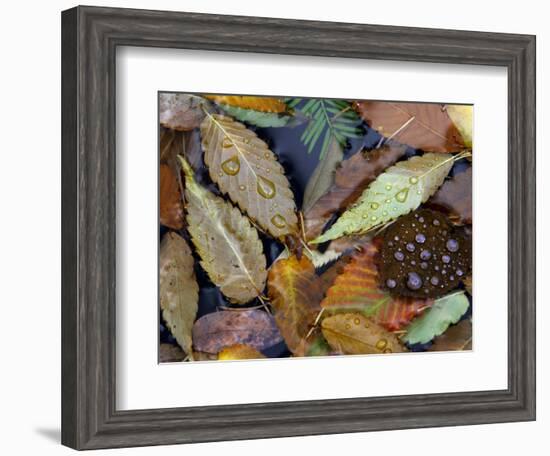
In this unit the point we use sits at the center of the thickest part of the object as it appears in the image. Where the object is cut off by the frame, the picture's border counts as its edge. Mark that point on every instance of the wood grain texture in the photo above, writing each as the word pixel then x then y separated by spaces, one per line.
pixel 89 40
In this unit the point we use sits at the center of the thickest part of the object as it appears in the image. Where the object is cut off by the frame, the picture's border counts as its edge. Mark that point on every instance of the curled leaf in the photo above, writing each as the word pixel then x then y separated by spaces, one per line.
pixel 425 126
pixel 457 337
pixel 178 288
pixel 243 167
pixel 294 292
pixel 216 331
pixel 455 198
pixel 398 191
pixel 435 321
pixel 462 117
pixel 263 104
pixel 239 351
pixel 180 111
pixel 355 334
pixel 230 249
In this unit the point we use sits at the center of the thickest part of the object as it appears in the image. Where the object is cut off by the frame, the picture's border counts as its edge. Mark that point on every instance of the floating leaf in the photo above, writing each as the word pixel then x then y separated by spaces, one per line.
pixel 398 191
pixel 462 117
pixel 254 328
pixel 295 294
pixel 244 168
pixel 171 202
pixel 257 118
pixel 355 334
pixel 455 198
pixel 169 353
pixel 263 104
pixel 457 337
pixel 351 179
pixel 434 321
pixel 230 250
pixel 178 288
pixel 425 126
pixel 239 351
pixel 322 177
pixel 180 111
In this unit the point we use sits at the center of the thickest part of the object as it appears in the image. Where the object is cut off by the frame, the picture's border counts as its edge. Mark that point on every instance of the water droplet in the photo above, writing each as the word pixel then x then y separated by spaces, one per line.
pixel 226 143
pixel 410 247
pixel 413 262
pixel 436 222
pixel 446 259
pixel 267 155
pixel 374 206
pixel 421 219
pixel 396 238
pixel 374 218
pixel 242 187
pixel 425 255
pixel 434 280
pixel 399 256
pixel 265 187
pixel 348 326
pixel 413 180
pixel 390 244
pixel 381 344
pixel 390 283
pixel 452 245
pixel 424 265
pixel 365 216
pixel 220 174
pixel 451 277
pixel 388 187
pixel 436 267
pixel 459 272
pixel 231 166
pixel 387 350
pixel 278 220
pixel 414 281
pixel 388 201
pixel 385 213
pixel 268 170
pixel 402 195
pixel 420 238
pixel 357 321
pixel 443 271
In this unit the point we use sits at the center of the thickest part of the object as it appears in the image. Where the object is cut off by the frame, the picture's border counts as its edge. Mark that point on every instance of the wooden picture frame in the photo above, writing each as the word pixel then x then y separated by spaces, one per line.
pixel 90 37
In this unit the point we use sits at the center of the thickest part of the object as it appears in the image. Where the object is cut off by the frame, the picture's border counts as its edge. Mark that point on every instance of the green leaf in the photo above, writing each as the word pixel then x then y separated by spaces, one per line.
pixel 435 321
pixel 257 118
pixel 398 191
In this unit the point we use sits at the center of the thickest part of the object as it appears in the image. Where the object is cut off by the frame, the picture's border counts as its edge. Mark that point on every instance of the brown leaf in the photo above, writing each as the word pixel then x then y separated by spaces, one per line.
pixel 457 337
pixel 215 331
pixel 352 177
pixel 263 104
pixel 169 353
pixel 355 334
pixel 327 278
pixel 468 284
pixel 455 198
pixel 239 351
pixel 180 111
pixel 425 126
pixel 171 203
pixel 294 292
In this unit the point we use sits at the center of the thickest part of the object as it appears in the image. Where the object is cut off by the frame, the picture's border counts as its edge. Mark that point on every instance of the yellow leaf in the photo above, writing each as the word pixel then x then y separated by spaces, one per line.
pixel 462 117
pixel 239 351
pixel 263 104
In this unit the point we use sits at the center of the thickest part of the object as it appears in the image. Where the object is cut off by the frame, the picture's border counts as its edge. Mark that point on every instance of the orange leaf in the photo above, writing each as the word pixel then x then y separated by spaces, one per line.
pixel 263 104
pixel 171 203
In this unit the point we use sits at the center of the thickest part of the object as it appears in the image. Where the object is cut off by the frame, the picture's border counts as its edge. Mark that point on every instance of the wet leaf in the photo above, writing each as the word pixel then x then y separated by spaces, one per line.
pixel 243 167
pixel 425 126
pixel 239 351
pixel 171 202
pixel 169 353
pixel 398 191
pixel 435 321
pixel 294 293
pixel 468 284
pixel 322 177
pixel 355 334
pixel 462 117
pixel 352 177
pixel 216 331
pixel 180 111
pixel 455 198
pixel 457 337
pixel 230 249
pixel 257 118
pixel 178 288
pixel 263 104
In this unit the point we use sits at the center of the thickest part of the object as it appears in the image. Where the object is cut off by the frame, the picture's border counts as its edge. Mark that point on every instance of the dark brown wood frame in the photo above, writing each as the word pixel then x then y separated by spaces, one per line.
pixel 90 37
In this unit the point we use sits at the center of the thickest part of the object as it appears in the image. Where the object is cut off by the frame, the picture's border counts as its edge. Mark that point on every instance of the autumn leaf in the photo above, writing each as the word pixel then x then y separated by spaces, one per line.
pixel 263 104
pixel 462 117
pixel 178 288
pixel 180 111
pixel 468 284
pixel 230 249
pixel 169 353
pixel 239 351
pixel 322 177
pixel 435 321
pixel 257 118
pixel 355 334
pixel 397 191
pixel 171 202
pixel 244 168
pixel 455 198
pixel 425 126
pixel 457 337
pixel 352 177
pixel 216 331
pixel 294 293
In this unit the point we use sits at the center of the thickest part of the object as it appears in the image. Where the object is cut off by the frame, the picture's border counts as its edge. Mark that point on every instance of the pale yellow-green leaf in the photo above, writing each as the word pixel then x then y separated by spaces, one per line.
pixel 179 291
pixel 463 118
pixel 230 249
pixel 244 168
pixel 398 191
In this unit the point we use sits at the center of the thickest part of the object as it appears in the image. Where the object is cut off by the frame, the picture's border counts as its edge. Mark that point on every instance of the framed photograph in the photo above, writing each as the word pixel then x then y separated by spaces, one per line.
pixel 279 228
